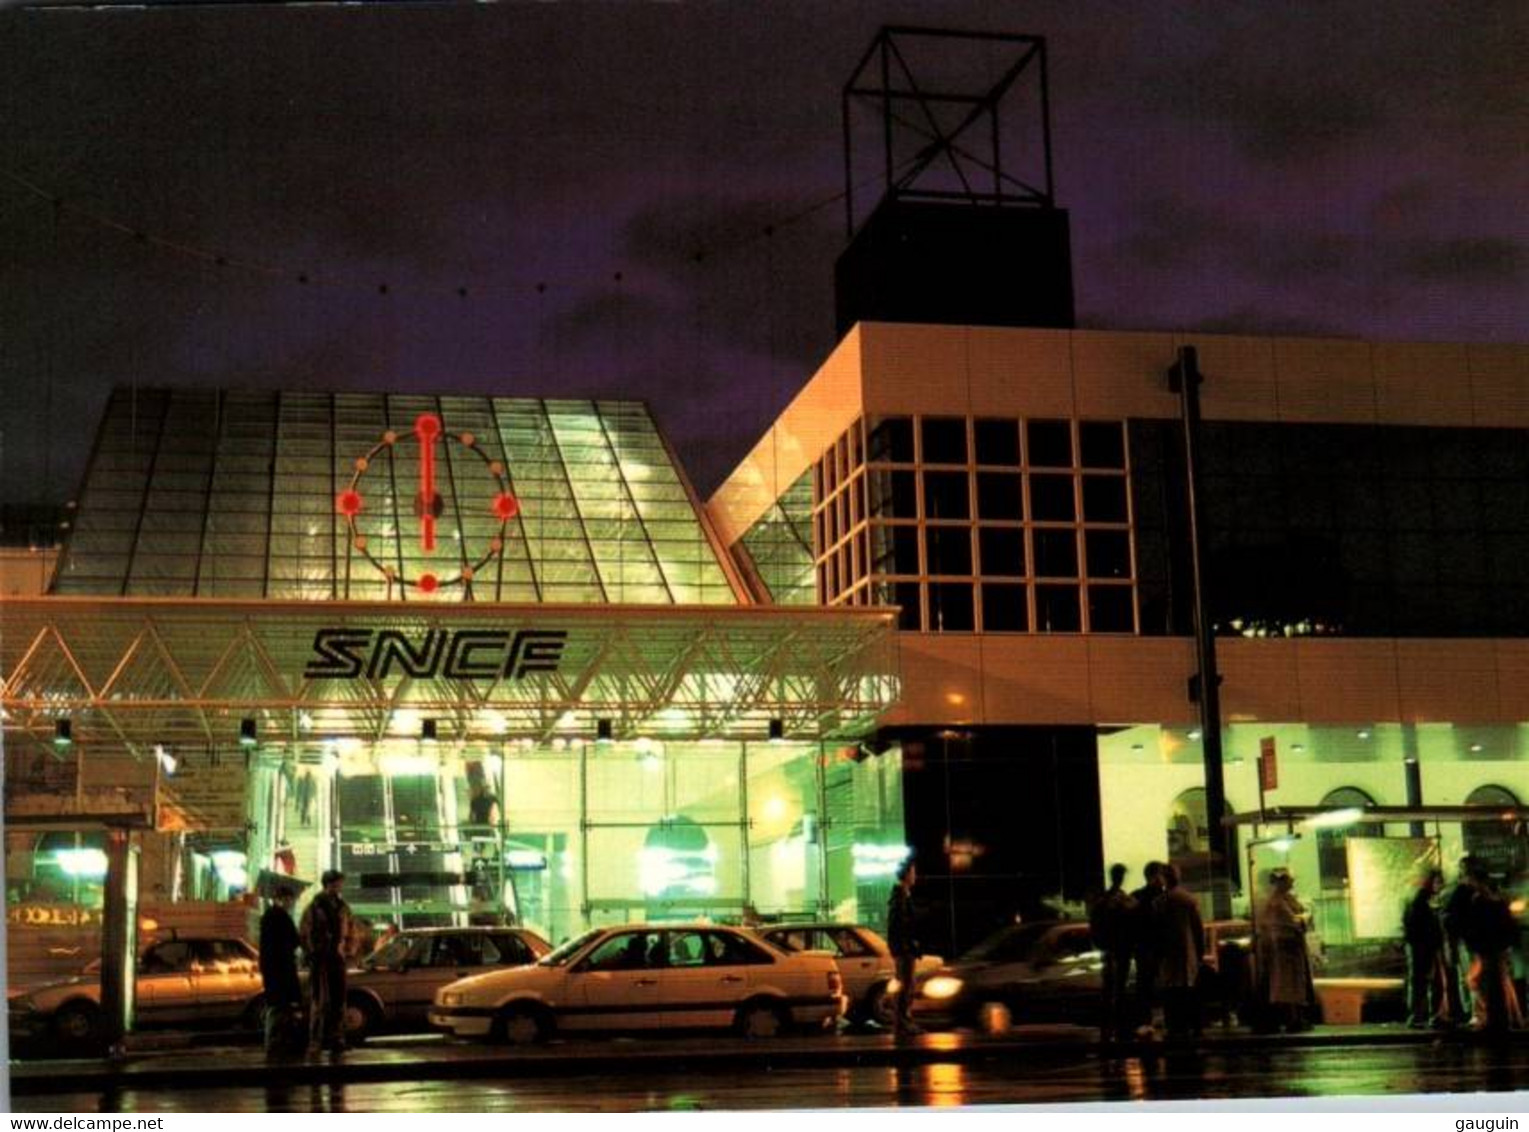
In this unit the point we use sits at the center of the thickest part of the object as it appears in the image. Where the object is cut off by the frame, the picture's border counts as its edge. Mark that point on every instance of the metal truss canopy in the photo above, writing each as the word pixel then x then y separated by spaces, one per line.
pixel 132 673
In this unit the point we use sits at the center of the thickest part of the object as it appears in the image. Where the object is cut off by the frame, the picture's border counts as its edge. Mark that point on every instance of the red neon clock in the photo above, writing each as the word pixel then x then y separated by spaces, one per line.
pixel 430 506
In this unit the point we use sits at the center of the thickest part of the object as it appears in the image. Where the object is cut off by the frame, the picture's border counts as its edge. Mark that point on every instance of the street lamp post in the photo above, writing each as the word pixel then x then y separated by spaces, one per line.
pixel 1184 379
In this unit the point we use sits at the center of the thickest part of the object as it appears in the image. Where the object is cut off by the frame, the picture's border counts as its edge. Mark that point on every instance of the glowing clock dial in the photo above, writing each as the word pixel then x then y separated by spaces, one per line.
pixel 430 505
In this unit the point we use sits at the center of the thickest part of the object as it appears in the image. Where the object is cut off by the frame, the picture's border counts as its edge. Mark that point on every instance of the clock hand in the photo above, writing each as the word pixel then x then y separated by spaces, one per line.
pixel 427 428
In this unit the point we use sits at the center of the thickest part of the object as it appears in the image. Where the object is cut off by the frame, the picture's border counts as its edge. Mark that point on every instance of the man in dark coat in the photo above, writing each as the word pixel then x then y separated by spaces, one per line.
pixel 1427 988
pixel 325 931
pixel 901 941
pixel 1180 951
pixel 1145 934
pixel 1457 957
pixel 278 971
pixel 1112 923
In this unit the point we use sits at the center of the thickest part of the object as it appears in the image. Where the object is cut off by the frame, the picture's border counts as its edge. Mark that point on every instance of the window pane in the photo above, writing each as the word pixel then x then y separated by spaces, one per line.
pixel 950 550
pixel 1056 609
pixel 1056 554
pixel 999 496
pixel 1003 609
pixel 1051 498
pixel 893 495
pixel 950 608
pixel 1002 551
pixel 1108 554
pixel 891 439
pixel 944 440
pixel 1104 499
pixel 997 442
pixel 896 549
pixel 906 595
pixel 1109 610
pixel 1102 444
pixel 1050 444
pixel 945 495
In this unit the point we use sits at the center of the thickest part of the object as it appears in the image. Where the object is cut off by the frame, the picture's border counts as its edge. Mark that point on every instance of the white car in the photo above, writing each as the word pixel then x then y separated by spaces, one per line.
pixel 865 962
pixel 181 982
pixel 643 977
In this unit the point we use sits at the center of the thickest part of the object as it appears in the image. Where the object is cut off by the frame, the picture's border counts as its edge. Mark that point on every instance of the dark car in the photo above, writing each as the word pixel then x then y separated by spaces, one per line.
pixel 391 989
pixel 1050 971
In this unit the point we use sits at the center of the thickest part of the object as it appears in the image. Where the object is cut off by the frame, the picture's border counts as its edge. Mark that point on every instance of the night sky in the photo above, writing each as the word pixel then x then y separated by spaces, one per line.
pixel 573 200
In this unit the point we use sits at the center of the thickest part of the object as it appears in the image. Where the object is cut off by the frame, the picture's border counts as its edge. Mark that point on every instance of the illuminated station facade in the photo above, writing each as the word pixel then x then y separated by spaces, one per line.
pixel 485 655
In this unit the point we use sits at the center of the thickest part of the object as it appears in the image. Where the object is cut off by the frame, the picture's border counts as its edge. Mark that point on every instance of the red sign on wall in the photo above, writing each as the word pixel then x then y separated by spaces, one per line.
pixel 1268 764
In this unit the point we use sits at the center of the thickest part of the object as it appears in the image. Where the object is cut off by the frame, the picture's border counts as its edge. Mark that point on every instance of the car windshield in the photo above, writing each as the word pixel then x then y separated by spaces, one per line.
pixel 560 956
pixel 1013 944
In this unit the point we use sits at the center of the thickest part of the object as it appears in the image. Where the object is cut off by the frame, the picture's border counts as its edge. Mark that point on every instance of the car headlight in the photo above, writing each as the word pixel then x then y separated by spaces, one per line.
pixel 451 998
pixel 894 985
pixel 943 986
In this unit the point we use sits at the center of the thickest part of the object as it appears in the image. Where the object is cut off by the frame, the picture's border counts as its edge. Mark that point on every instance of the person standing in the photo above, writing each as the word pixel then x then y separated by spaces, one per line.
pixel 1181 947
pixel 1285 970
pixel 278 972
pixel 901 940
pixel 1490 931
pixel 1111 923
pixel 1427 978
pixel 1457 958
pixel 1145 941
pixel 325 932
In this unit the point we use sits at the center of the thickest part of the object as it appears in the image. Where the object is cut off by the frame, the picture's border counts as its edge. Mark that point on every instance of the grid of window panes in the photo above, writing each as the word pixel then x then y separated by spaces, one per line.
pixel 234 495
pixel 780 546
pixel 993 525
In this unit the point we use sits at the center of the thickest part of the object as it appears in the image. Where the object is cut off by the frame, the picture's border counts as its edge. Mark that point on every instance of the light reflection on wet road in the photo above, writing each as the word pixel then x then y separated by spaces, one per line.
pixel 1296 1072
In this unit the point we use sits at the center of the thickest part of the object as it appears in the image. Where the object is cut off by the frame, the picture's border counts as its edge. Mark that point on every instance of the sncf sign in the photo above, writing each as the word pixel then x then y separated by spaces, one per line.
pixel 457 654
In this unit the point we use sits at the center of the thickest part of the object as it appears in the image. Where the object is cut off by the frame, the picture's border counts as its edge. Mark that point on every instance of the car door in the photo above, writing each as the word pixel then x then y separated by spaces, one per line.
pixel 859 965
pixel 1065 979
pixel 165 994
pixel 225 978
pixel 615 986
pixel 383 973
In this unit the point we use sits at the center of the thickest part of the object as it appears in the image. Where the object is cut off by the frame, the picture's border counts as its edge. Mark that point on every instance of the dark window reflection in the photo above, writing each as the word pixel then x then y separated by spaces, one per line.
pixel 945 495
pixel 997 442
pixel 1109 610
pixel 950 608
pixel 1004 609
pixel 1049 444
pixel 893 495
pixel 895 549
pixel 1102 444
pixel 1056 609
pixel 1000 495
pixel 1051 498
pixel 1056 553
pixel 1108 554
pixel 1002 551
pixel 944 440
pixel 891 440
pixel 1104 499
pixel 949 549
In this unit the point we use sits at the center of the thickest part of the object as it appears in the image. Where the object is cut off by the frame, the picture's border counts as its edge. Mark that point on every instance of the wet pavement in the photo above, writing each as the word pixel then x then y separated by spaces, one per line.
pixel 1034 1065
pixel 1470 1072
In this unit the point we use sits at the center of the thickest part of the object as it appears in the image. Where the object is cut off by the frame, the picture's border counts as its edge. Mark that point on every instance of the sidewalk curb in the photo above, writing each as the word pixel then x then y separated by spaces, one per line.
pixel 375 1065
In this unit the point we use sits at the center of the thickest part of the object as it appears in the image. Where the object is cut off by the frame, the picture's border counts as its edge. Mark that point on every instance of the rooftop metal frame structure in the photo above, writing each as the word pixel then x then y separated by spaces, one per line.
pixel 130 673
pixel 885 78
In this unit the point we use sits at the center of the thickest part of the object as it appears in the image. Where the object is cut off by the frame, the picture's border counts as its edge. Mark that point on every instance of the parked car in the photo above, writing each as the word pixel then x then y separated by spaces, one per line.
pixel 392 988
pixel 864 960
pixel 191 982
pixel 642 977
pixel 1050 971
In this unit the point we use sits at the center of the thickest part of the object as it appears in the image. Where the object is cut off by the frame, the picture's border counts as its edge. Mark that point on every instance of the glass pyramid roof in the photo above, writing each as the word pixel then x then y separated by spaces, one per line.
pixel 354 496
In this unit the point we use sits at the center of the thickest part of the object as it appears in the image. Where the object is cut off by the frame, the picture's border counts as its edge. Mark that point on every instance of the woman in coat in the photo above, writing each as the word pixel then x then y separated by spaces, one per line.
pixel 1282 959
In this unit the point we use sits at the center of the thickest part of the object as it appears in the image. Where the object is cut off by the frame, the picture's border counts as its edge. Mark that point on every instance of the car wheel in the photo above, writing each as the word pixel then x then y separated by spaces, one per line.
pixel 761 1020
pixel 78 1025
pixel 880 1007
pixel 522 1025
pixel 360 1020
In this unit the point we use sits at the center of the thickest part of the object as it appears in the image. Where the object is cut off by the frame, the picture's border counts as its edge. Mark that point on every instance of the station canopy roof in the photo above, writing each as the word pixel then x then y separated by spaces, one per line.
pixel 347 566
